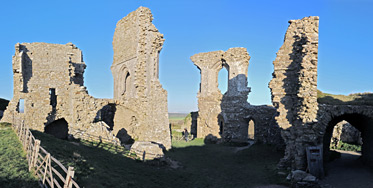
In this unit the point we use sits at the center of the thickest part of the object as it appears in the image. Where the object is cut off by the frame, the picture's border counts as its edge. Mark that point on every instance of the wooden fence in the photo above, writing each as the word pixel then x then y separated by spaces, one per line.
pixel 50 171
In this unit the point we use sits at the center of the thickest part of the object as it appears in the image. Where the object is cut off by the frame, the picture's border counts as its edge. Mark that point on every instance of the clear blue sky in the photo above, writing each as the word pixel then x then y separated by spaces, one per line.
pixel 194 26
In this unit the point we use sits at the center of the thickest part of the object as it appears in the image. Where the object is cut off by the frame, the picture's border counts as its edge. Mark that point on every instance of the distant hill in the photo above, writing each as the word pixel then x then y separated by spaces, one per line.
pixel 351 99
pixel 3 104
pixel 177 116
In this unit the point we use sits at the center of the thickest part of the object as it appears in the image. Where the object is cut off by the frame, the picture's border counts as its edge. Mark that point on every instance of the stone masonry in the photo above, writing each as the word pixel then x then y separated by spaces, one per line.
pixel 294 83
pixel 48 78
pixel 141 100
pixel 48 81
pixel 209 95
pixel 223 116
pixel 235 99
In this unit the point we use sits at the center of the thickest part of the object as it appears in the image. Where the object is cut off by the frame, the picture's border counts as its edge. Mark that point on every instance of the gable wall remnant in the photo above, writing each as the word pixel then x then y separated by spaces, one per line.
pixel 137 44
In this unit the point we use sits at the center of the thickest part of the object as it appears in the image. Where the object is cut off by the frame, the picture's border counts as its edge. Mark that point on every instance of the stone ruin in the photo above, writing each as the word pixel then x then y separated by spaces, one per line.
pixel 222 116
pixel 296 120
pixel 49 93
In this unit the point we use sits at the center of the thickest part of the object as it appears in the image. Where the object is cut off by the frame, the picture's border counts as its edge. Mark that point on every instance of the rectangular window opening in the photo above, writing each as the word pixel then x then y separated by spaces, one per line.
pixel 21 106
pixel 53 97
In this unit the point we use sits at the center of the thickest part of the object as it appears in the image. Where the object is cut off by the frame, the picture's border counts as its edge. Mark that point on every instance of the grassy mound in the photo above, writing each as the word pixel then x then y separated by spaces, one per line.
pixel 352 99
pixel 13 164
pixel 202 165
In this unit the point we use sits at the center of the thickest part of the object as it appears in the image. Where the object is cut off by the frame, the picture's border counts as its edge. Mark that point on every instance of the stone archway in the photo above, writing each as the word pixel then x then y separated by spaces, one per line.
pixel 362 123
pixel 58 128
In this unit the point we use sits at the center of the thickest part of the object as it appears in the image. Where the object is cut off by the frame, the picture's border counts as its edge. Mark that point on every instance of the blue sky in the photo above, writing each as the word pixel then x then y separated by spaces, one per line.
pixel 193 26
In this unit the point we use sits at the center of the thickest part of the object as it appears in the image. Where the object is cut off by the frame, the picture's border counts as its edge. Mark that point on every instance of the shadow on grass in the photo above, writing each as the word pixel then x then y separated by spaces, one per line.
pixel 200 166
pixel 17 182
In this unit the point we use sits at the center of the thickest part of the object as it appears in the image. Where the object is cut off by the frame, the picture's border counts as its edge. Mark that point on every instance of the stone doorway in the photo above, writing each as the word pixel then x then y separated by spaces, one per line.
pixel 363 124
pixel 251 129
pixel 58 128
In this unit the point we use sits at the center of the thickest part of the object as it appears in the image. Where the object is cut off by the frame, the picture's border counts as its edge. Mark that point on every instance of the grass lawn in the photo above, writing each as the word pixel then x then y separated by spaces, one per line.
pixel 202 165
pixel 13 164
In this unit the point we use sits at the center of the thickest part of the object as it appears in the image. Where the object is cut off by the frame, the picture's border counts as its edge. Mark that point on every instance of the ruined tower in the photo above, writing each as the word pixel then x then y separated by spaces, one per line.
pixel 141 101
pixel 294 86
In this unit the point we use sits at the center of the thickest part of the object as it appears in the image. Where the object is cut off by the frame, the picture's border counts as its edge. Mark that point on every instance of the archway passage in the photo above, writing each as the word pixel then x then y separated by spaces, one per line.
pixel 58 128
pixel 251 130
pixel 362 123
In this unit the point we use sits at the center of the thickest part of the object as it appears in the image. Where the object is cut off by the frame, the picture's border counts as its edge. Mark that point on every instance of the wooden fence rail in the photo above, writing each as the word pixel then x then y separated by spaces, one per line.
pixel 50 171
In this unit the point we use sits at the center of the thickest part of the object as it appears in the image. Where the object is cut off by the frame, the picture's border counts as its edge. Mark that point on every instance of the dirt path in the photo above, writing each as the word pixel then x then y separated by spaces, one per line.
pixel 347 171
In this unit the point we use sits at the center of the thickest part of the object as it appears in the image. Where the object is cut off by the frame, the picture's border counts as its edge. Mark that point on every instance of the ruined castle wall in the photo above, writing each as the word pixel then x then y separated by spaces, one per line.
pixel 137 44
pixel 266 130
pixel 294 88
pixel 49 78
pixel 209 95
pixel 234 100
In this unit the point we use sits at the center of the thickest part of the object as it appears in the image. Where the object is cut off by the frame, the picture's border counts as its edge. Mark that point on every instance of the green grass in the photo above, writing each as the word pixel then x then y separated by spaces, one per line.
pixel 202 165
pixel 351 99
pixel 347 147
pixel 3 104
pixel 13 164
pixel 183 144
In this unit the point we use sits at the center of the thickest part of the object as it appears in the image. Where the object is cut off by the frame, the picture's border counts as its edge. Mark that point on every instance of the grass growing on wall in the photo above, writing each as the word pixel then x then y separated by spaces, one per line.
pixel 13 164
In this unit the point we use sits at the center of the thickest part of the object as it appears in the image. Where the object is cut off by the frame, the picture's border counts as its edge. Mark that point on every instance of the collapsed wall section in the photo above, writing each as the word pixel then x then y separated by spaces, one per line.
pixel 142 109
pixel 294 88
pixel 48 87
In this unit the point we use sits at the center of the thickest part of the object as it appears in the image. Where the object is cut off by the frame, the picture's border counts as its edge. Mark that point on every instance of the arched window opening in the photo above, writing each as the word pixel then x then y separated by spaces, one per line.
pixel 251 130
pixel 127 81
pixel 223 80
pixel 58 128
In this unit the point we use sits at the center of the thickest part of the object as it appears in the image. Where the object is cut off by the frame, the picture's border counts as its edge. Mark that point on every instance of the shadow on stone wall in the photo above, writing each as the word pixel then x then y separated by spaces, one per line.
pixel 106 114
pixel 292 102
pixel 26 69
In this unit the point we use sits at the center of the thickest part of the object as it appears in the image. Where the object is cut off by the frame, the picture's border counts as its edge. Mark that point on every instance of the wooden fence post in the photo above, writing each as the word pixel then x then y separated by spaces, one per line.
pixel 35 153
pixel 47 161
pixel 25 140
pixel 69 176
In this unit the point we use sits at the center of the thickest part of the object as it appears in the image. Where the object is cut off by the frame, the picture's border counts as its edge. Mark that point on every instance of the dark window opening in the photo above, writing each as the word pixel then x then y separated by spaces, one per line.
pixel 53 97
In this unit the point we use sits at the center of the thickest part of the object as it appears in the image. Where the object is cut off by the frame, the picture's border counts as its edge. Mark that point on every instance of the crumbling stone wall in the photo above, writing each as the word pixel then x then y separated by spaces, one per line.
pixel 294 87
pixel 141 101
pixel 266 129
pixel 234 100
pixel 49 78
pixel 222 116
pixel 346 133
pixel 209 95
